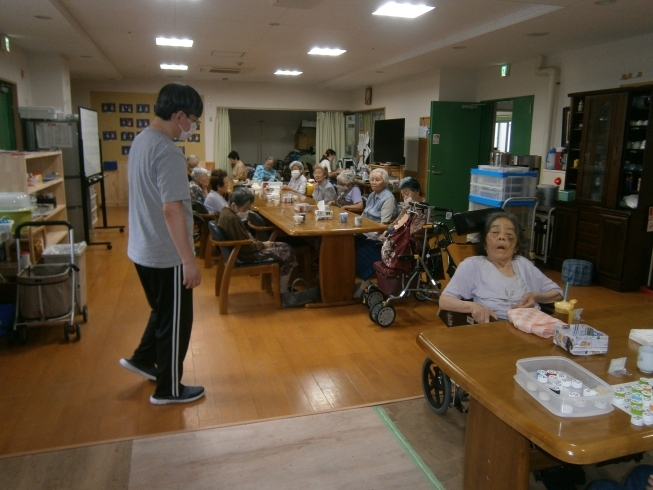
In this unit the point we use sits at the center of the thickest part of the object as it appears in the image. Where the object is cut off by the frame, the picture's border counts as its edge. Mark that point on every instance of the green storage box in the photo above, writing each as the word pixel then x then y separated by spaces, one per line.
pixel 17 215
pixel 567 195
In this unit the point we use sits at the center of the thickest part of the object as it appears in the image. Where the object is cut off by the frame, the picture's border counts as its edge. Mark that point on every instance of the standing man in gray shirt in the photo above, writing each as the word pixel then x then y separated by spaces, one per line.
pixel 161 243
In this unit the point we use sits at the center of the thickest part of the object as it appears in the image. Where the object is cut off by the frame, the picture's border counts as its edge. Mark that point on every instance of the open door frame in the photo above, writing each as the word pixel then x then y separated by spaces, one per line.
pixel 17 126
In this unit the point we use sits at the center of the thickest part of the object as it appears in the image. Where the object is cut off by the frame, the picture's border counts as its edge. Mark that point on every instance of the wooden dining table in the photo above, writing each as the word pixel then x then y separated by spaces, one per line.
pixel 337 256
pixel 503 419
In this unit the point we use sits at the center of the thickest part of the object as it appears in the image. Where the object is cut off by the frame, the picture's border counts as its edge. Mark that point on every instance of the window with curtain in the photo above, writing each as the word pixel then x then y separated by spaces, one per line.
pixel 222 140
pixel 330 133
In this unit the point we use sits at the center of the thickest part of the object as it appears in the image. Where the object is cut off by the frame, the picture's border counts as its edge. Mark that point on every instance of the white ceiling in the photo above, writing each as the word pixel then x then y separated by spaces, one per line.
pixel 114 39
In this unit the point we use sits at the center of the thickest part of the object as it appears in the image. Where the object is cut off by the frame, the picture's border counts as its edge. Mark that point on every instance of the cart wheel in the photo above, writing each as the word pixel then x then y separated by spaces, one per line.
pixel 78 331
pixel 66 331
pixel 436 387
pixel 22 335
pixel 109 247
pixel 85 314
pixel 424 292
pixel 375 311
pixel 374 297
pixel 385 316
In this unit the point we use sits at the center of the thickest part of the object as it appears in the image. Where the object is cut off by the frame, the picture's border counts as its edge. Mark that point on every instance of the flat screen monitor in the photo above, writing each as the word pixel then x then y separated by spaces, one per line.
pixel 389 141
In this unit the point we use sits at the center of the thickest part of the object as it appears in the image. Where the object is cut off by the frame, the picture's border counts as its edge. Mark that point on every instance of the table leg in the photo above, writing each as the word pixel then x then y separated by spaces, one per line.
pixel 497 457
pixel 337 271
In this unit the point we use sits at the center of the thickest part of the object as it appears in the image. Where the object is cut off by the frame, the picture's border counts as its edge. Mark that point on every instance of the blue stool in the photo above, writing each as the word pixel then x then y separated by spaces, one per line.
pixel 576 273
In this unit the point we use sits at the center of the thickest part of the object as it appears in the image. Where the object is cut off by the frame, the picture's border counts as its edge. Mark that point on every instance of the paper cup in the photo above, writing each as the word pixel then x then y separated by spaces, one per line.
pixel 298 219
pixel 343 217
pixel 358 221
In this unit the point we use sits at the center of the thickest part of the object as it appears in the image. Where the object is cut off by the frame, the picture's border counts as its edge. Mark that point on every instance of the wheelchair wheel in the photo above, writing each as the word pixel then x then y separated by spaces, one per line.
pixel 374 311
pixel 385 316
pixel 374 296
pixel 436 387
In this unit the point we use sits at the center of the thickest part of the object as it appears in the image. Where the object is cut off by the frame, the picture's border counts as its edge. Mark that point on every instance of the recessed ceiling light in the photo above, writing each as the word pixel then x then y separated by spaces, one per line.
pixel 166 66
pixel 459 47
pixel 43 17
pixel 171 41
pixel 406 10
pixel 327 51
pixel 293 73
pixel 537 34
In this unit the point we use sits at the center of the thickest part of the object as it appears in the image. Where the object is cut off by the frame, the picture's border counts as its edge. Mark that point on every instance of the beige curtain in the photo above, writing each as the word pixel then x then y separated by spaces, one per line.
pixel 222 140
pixel 330 133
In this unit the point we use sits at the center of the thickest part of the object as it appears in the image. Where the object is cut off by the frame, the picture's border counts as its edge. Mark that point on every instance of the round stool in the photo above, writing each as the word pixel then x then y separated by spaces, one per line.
pixel 577 272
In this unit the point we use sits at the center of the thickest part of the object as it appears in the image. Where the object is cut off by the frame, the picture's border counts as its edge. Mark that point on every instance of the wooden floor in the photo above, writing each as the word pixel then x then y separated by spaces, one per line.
pixel 255 363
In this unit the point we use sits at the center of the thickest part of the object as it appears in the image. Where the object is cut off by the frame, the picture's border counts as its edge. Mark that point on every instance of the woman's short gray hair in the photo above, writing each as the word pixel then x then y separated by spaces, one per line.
pixel 296 164
pixel 241 196
pixel 383 174
pixel 199 172
pixel 346 177
pixel 522 243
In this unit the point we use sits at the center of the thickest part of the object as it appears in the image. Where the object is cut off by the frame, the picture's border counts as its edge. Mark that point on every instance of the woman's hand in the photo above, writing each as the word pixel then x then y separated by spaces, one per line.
pixel 383 237
pixel 527 301
pixel 267 244
pixel 481 314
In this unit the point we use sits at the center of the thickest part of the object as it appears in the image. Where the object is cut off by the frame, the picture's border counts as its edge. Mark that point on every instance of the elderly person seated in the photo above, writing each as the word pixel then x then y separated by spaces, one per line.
pixel 500 279
pixel 368 248
pixel 230 222
pixel 349 195
pixel 266 172
pixel 297 181
pixel 215 200
pixel 323 190
pixel 191 162
pixel 381 205
pixel 238 168
pixel 199 184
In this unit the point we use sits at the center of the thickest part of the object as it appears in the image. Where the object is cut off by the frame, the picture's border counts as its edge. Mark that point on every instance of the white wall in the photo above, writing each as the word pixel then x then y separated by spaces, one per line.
pixel 409 98
pixel 274 136
pixel 51 82
pixel 15 67
pixel 233 95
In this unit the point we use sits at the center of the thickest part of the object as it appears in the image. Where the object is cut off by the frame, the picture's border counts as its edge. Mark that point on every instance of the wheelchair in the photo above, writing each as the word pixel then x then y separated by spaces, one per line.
pixel 425 272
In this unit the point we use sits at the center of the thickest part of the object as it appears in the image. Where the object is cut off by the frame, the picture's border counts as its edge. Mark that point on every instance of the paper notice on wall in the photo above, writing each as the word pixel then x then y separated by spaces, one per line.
pixel 422 131
pixel 649 227
pixel 54 134
pixel 436 139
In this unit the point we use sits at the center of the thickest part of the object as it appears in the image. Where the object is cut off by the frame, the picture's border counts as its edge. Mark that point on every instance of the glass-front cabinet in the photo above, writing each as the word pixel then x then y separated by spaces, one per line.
pixel 600 148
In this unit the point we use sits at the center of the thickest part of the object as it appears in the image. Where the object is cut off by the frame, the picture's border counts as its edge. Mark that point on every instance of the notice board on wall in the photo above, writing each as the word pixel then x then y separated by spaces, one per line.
pixel 90 134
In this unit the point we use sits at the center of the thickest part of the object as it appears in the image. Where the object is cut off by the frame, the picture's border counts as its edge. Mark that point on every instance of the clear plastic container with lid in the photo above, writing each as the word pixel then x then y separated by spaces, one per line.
pixel 14 201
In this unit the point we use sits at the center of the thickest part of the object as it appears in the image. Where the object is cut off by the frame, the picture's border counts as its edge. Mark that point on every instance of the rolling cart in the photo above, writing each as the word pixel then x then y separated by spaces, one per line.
pixel 46 292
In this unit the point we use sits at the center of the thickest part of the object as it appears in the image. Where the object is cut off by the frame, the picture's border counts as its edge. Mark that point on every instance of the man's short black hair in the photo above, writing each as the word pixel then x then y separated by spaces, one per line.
pixel 176 97
pixel 233 155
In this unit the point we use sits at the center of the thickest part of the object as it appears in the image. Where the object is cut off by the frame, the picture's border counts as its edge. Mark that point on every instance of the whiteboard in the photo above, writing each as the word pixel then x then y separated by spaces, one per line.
pixel 90 141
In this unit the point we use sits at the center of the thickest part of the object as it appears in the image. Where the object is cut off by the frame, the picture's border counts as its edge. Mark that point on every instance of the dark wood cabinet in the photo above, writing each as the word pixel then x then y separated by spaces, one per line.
pixel 610 165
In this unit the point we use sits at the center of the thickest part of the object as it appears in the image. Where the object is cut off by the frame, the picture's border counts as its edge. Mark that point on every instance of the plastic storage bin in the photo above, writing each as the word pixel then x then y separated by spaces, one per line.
pixel 60 254
pixel 565 404
pixel 502 185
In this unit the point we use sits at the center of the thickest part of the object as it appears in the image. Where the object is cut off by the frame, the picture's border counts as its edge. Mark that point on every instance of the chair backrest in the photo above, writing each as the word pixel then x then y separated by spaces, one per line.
pixel 199 207
pixel 472 221
pixel 257 220
pixel 218 235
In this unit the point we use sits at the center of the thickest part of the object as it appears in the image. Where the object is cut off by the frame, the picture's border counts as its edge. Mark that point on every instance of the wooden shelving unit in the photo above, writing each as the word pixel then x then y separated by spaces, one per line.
pixel 14 169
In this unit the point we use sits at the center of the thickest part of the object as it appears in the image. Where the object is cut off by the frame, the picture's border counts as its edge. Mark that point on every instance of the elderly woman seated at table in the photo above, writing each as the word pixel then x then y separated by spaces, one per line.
pixel 231 223
pixel 297 181
pixel 215 201
pixel 381 205
pixel 500 279
pixel 199 184
pixel 266 172
pixel 323 190
pixel 349 195
pixel 368 247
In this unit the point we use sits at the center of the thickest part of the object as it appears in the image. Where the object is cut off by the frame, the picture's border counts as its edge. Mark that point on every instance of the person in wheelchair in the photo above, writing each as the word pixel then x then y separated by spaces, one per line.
pixel 501 278
pixel 368 247
pixel 231 223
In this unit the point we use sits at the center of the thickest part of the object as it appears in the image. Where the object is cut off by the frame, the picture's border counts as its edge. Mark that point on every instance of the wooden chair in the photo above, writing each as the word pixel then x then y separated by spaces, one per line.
pixel 201 218
pixel 229 266
pixel 269 233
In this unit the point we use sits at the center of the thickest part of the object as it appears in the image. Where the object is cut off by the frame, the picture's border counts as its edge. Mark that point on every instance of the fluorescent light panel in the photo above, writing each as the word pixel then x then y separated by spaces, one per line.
pixel 406 10
pixel 288 72
pixel 165 66
pixel 327 51
pixel 182 43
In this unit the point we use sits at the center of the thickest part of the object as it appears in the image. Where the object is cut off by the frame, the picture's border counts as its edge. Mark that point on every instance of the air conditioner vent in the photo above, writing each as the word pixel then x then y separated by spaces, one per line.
pixel 296 4
pixel 224 70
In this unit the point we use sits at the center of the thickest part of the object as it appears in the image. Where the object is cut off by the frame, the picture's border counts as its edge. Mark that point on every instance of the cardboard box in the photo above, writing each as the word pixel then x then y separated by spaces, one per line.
pixel 566 195
pixel 580 339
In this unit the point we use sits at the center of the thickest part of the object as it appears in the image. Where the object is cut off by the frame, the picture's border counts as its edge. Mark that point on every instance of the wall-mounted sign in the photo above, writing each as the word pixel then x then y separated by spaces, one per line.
pixel 505 70
pixel 436 139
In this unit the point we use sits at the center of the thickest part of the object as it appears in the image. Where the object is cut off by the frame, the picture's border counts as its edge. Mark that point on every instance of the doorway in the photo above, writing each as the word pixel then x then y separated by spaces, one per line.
pixel 8 116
